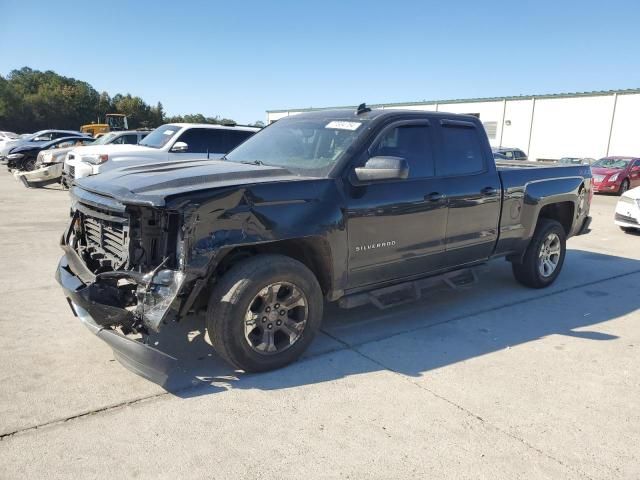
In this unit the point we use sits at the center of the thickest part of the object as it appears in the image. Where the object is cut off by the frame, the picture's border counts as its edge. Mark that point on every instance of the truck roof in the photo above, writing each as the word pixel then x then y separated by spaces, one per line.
pixel 215 125
pixel 344 113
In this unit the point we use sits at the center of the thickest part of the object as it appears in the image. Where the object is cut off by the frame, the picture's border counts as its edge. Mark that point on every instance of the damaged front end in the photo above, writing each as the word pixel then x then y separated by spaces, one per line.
pixel 122 274
pixel 43 175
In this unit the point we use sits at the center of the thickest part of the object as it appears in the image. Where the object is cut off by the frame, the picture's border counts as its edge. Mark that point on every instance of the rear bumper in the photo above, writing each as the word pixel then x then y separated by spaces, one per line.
pixel 138 357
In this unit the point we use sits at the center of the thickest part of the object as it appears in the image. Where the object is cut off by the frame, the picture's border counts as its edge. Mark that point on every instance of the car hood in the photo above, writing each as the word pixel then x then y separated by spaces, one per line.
pixel 605 170
pixel 25 147
pixel 114 149
pixel 58 152
pixel 152 184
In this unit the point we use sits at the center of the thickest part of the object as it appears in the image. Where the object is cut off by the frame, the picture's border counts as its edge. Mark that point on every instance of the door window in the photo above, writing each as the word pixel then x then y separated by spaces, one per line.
pixel 462 151
pixel 196 139
pixel 130 139
pixel 411 142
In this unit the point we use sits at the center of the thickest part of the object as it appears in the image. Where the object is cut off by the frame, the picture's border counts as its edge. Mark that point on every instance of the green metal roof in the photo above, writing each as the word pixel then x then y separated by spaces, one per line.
pixel 628 91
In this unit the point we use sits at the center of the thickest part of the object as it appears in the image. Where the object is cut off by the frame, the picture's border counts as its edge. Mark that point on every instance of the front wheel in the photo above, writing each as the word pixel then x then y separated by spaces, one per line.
pixel 623 187
pixel 264 312
pixel 544 257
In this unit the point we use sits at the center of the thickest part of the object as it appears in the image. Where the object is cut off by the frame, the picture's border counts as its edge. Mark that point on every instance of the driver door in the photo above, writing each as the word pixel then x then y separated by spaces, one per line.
pixel 396 228
pixel 634 173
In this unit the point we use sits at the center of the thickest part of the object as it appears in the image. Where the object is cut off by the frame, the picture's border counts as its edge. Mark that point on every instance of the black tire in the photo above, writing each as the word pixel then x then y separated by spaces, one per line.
pixel 29 165
pixel 236 292
pixel 624 186
pixel 528 272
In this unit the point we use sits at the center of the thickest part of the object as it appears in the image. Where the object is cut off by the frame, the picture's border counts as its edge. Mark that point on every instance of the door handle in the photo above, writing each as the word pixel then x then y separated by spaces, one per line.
pixel 434 197
pixel 488 191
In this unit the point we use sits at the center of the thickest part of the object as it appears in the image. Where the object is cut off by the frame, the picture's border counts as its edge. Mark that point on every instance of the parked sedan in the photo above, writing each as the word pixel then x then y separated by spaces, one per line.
pixel 616 174
pixel 627 215
pixel 34 139
pixel 6 137
pixel 24 157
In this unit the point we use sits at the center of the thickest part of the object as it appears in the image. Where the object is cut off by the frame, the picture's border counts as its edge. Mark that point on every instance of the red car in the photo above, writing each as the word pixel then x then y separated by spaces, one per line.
pixel 615 174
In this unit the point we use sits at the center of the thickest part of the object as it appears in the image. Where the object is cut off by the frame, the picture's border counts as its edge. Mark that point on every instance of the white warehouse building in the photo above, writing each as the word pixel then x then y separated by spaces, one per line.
pixel 589 124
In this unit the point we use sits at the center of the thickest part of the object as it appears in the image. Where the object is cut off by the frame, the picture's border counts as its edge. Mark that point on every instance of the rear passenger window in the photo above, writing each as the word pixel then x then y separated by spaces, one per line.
pixel 462 151
pixel 222 141
pixel 411 142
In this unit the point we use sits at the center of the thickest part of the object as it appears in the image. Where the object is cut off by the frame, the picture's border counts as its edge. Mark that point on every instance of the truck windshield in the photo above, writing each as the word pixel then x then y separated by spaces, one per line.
pixel 612 163
pixel 160 136
pixel 301 145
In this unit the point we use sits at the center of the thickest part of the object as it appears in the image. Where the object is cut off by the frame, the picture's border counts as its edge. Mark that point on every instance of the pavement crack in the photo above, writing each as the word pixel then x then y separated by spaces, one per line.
pixel 59 421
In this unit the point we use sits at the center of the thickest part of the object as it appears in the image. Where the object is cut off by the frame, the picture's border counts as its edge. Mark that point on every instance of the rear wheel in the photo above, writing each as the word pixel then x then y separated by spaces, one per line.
pixel 544 257
pixel 264 312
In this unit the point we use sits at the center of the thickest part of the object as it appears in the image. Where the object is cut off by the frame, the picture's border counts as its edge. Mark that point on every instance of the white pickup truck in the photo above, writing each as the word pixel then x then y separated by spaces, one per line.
pixel 170 142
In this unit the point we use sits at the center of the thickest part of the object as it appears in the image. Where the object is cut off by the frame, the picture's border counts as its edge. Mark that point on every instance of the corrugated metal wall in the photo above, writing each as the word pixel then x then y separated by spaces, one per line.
pixel 549 128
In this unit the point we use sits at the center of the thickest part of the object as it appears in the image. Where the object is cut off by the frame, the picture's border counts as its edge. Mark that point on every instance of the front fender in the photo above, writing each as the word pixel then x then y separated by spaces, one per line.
pixel 256 216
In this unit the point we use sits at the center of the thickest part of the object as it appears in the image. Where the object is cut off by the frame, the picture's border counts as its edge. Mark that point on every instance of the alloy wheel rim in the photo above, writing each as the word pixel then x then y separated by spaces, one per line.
pixel 276 318
pixel 549 255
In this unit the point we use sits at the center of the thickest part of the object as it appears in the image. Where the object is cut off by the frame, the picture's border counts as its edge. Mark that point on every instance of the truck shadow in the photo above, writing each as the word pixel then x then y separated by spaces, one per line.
pixel 443 328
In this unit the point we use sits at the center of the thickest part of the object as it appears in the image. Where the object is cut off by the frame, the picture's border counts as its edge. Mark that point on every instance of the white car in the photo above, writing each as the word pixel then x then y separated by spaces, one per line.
pixel 49 163
pixel 628 210
pixel 6 137
pixel 171 142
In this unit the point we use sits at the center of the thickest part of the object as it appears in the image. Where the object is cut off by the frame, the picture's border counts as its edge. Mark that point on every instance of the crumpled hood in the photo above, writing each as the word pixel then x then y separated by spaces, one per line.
pixel 152 184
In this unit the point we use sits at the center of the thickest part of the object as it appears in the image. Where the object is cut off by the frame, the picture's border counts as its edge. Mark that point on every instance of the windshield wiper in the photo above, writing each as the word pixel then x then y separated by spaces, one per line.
pixel 254 162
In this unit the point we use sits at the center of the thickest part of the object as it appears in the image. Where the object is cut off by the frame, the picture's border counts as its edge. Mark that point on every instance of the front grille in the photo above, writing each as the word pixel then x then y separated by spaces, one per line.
pixel 626 219
pixel 106 237
pixel 598 178
pixel 72 172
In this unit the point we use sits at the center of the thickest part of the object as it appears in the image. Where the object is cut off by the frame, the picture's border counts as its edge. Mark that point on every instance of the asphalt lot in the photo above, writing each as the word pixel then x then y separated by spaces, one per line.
pixel 496 381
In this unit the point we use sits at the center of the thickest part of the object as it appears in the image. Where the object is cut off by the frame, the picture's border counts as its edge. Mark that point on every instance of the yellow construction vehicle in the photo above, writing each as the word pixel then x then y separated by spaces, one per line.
pixel 113 122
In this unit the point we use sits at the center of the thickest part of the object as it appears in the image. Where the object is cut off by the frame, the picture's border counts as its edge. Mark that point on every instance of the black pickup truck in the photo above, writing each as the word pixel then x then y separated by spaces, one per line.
pixel 336 205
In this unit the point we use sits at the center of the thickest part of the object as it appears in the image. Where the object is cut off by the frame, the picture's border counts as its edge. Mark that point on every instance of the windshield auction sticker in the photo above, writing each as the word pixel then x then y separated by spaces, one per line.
pixel 342 125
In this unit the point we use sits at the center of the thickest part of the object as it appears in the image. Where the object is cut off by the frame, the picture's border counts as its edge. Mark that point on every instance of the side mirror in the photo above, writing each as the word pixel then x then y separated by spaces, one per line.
pixel 180 147
pixel 383 168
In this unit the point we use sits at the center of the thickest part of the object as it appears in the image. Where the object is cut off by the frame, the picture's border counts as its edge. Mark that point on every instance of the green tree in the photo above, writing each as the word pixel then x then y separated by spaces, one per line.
pixel 32 100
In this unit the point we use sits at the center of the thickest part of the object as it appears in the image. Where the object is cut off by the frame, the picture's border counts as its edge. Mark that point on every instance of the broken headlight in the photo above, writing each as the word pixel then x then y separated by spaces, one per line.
pixel 155 298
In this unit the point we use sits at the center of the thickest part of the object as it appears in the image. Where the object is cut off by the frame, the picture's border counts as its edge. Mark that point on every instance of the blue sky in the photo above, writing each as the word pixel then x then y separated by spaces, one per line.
pixel 238 59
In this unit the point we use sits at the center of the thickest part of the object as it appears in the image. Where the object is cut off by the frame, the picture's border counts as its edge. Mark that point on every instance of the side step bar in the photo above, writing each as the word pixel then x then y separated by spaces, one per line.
pixel 412 291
